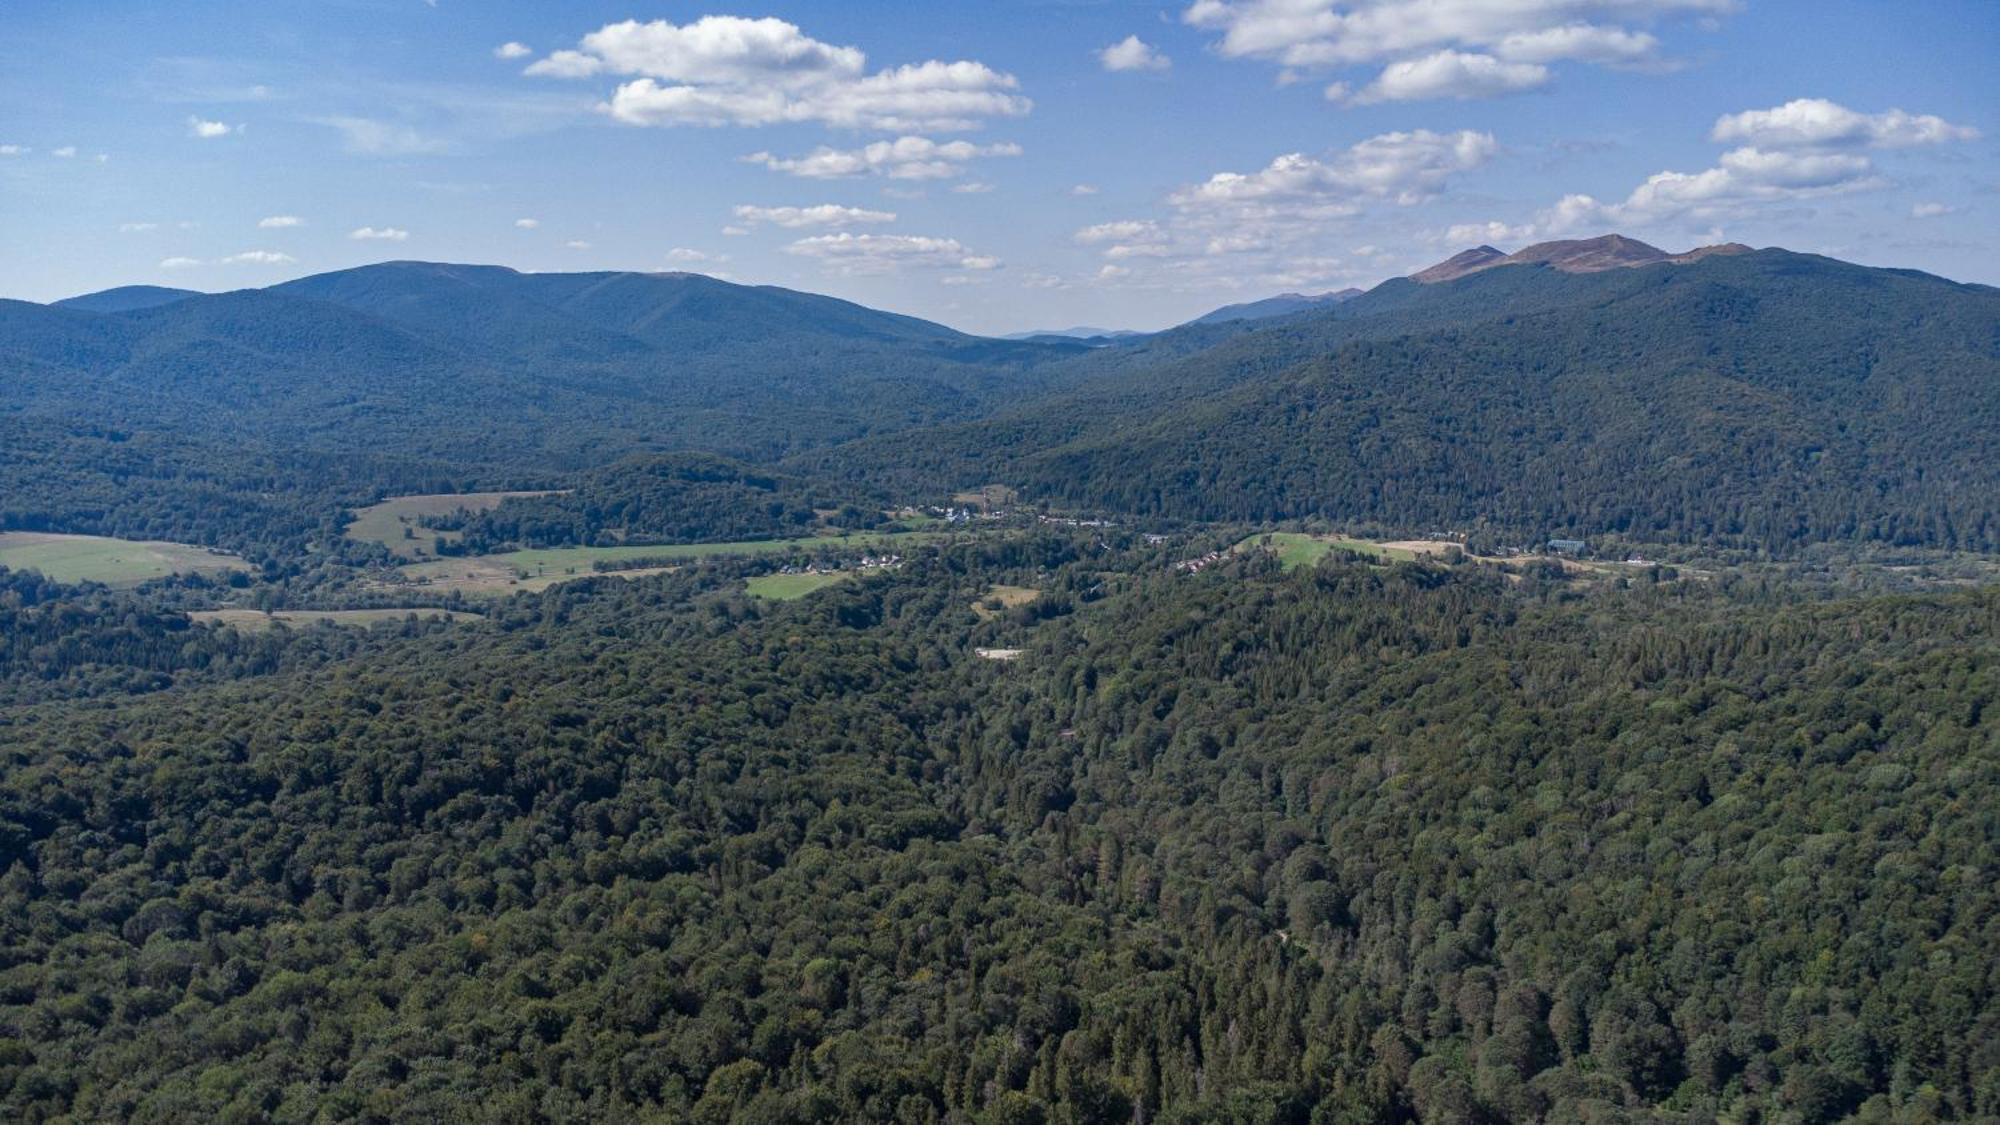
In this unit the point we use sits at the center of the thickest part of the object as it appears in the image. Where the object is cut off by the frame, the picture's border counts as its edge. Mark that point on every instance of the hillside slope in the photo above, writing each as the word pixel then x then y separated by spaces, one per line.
pixel 1764 398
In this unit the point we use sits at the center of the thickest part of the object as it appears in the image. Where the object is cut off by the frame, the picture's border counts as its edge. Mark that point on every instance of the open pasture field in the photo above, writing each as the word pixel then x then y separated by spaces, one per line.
pixel 386 523
pixel 257 620
pixel 114 562
pixel 999 599
pixel 786 587
pixel 1295 548
pixel 512 572
pixel 485 577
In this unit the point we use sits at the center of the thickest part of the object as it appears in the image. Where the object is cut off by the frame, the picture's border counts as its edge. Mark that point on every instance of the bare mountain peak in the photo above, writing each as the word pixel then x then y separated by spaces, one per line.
pixel 1572 255
pixel 1460 264
pixel 1589 255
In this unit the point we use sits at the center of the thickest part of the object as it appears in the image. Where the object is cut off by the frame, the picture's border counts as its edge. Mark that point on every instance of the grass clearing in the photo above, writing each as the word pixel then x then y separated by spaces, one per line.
pixel 786 587
pixel 1295 549
pixel 999 599
pixel 397 523
pixel 987 497
pixel 257 620
pixel 481 577
pixel 512 572
pixel 114 562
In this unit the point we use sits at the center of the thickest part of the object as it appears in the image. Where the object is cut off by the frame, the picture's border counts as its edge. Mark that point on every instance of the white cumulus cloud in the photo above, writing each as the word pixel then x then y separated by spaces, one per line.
pixel 257 258
pixel 1403 167
pixel 179 263
pixel 1133 53
pixel 1804 150
pixel 378 234
pixel 279 222
pixel 818 215
pixel 209 130
pixel 730 70
pixel 512 50
pixel 1445 74
pixel 527 224
pixel 905 158
pixel 1441 48
pixel 65 152
pixel 883 253
pixel 1819 123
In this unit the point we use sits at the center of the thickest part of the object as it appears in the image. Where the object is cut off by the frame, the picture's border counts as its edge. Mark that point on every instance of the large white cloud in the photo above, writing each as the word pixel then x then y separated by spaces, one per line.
pixel 1803 150
pixel 905 158
pixel 729 70
pixel 884 253
pixel 1445 74
pixel 818 215
pixel 1441 48
pixel 1278 226
pixel 1404 167
pixel 1133 53
pixel 1819 123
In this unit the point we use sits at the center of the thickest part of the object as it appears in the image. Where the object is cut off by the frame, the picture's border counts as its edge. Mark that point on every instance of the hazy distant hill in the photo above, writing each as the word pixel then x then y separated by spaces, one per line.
pixel 125 298
pixel 1284 304
pixel 1764 398
pixel 1079 332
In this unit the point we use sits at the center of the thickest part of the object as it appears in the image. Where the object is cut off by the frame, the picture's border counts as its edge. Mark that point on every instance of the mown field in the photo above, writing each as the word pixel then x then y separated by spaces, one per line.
pixel 1295 548
pixel 114 562
pixel 513 572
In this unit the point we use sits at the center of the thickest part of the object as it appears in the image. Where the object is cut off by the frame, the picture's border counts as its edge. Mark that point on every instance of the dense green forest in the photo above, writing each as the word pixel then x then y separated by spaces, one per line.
pixel 671 498
pixel 1354 843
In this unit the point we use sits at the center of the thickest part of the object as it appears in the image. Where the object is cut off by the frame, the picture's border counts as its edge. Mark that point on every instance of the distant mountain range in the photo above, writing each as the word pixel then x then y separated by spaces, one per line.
pixel 1760 398
pixel 1080 332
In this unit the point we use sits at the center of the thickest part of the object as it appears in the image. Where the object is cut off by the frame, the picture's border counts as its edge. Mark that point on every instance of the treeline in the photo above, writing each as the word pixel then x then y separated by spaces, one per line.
pixel 1353 844
pixel 673 498
pixel 283 510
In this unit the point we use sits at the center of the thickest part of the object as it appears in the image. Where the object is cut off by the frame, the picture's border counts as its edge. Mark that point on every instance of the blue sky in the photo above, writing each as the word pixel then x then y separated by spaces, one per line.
pixel 994 165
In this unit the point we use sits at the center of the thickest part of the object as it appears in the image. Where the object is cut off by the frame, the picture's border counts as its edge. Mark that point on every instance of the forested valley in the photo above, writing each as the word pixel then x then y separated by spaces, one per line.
pixel 435 693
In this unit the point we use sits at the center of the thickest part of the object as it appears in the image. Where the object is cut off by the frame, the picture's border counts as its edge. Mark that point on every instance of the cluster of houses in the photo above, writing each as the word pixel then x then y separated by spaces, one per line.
pixel 866 562
pixel 1196 566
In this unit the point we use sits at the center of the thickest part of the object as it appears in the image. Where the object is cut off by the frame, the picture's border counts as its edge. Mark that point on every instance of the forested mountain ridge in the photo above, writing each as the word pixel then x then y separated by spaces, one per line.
pixel 1346 844
pixel 1764 399
pixel 329 392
